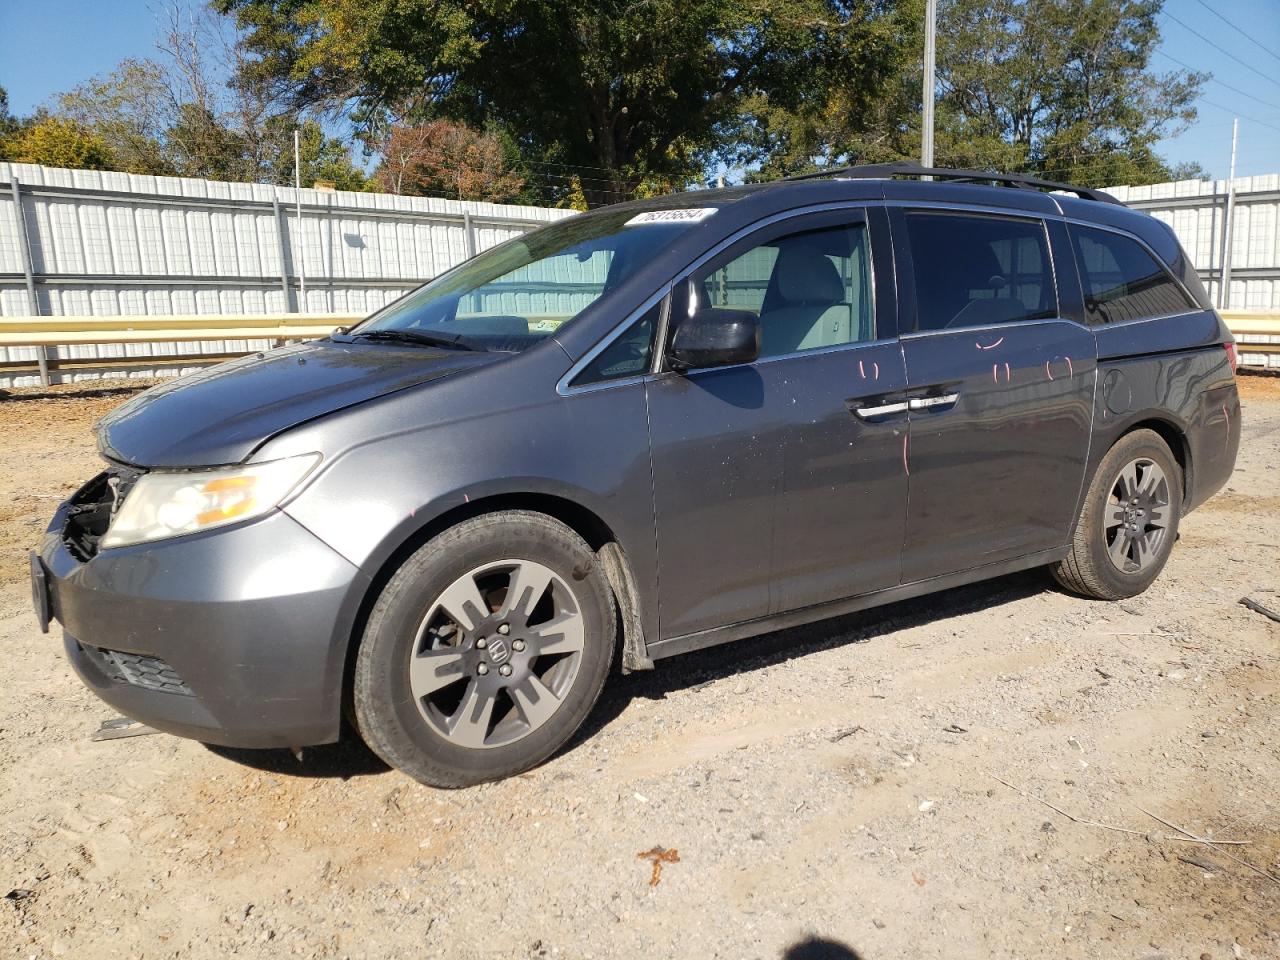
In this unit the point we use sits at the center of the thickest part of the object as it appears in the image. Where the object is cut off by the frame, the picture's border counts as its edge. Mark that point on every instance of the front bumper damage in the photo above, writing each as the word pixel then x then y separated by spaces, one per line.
pixel 236 636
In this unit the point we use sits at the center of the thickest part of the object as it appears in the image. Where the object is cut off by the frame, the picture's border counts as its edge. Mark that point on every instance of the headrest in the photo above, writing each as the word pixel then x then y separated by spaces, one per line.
pixel 806 275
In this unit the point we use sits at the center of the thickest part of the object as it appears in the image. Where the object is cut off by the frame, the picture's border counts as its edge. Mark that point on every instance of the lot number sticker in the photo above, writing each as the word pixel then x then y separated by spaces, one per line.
pixel 688 215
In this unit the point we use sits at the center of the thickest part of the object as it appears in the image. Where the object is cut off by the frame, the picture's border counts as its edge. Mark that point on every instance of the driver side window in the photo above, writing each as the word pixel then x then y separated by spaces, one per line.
pixel 811 289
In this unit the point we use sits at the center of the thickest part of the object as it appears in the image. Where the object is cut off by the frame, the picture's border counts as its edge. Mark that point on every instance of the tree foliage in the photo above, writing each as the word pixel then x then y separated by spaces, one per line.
pixel 613 93
pixel 851 103
pixel 55 142
pixel 8 122
pixel 1064 87
pixel 442 158
pixel 176 116
pixel 130 109
pixel 158 120
pixel 584 103
pixel 1061 88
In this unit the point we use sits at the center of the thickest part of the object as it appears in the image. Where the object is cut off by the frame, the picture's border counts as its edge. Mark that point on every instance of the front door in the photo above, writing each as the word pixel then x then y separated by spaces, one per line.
pixel 1001 392
pixel 771 490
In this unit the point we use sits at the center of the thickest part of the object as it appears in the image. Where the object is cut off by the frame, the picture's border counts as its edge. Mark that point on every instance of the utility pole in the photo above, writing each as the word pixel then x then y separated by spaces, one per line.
pixel 301 248
pixel 1224 284
pixel 930 55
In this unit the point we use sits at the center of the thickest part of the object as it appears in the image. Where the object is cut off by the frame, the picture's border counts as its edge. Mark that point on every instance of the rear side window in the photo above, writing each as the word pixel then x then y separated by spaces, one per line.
pixel 1122 281
pixel 971 271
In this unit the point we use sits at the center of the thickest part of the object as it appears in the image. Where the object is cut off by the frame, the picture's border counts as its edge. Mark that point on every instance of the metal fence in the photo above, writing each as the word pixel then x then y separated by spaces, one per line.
pixel 85 243
pixel 1257 335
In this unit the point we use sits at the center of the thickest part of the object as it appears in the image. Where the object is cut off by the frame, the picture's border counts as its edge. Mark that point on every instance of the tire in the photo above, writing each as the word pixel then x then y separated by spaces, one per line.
pixel 1107 560
pixel 468 639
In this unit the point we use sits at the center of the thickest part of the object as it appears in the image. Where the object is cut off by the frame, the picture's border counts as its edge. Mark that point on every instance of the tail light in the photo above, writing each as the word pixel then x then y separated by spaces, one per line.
pixel 1231 355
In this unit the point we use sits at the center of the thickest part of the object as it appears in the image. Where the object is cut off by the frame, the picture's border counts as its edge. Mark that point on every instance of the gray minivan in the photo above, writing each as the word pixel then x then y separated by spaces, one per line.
pixel 641 431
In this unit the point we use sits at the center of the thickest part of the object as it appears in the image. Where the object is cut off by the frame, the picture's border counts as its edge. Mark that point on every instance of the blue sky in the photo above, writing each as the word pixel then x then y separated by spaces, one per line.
pixel 47 46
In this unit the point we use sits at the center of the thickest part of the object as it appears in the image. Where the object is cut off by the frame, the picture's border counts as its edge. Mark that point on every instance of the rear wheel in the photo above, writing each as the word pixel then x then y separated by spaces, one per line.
pixel 485 651
pixel 1129 520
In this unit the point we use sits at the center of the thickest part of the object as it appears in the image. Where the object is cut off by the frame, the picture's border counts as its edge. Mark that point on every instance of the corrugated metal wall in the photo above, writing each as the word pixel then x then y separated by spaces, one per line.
pixel 104 244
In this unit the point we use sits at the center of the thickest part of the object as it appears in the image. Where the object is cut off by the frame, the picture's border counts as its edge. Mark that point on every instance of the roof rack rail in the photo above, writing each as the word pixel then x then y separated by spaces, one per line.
pixel 907 168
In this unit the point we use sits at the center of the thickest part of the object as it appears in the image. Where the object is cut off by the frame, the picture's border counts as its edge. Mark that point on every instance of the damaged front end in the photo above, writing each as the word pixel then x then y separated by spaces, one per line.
pixel 91 509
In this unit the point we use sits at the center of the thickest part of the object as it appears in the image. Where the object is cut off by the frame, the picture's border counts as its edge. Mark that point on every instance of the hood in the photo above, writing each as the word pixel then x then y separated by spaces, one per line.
pixel 222 414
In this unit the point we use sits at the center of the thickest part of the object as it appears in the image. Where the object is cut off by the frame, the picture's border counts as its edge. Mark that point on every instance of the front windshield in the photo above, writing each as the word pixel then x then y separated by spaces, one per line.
pixel 514 295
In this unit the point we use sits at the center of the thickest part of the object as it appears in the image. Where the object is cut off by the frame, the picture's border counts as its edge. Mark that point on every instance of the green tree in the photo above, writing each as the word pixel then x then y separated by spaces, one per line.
pixel 8 123
pixel 8 126
pixel 614 93
pixel 55 142
pixel 11 127
pixel 1060 88
pixel 323 158
pixel 853 104
pixel 174 117
pixel 131 109
pixel 156 121
pixel 200 144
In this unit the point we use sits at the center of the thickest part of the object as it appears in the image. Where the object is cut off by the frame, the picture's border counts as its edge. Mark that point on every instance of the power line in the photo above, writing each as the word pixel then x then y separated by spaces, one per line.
pixel 1218 124
pixel 1221 83
pixel 1222 50
pixel 566 166
pixel 1234 112
pixel 1243 33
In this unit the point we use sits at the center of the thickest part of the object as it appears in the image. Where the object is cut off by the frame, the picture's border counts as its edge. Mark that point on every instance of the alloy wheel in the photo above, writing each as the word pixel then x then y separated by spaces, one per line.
pixel 496 653
pixel 1136 517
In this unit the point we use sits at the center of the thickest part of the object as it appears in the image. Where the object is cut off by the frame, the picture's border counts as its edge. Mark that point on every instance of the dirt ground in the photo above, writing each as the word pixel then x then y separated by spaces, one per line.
pixel 832 791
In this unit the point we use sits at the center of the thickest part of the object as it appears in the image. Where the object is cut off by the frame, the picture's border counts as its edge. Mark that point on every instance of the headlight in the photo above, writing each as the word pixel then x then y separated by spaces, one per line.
pixel 170 504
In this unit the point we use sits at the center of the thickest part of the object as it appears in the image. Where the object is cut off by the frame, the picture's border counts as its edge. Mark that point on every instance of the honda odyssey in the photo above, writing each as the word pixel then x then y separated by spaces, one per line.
pixel 637 432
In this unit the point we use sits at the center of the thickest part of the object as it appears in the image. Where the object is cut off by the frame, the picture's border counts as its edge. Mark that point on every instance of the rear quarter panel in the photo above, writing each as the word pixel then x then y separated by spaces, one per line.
pixel 1171 371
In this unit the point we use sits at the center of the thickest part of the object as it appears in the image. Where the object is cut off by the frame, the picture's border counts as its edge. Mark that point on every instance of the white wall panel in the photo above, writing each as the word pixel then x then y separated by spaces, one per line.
pixel 168 245
pixel 165 245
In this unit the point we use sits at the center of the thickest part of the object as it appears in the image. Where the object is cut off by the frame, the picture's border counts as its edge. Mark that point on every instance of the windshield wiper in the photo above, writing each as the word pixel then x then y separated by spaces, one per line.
pixel 415 337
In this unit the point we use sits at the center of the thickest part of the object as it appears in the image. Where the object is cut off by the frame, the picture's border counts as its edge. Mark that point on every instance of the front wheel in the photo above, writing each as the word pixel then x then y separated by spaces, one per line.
pixel 486 650
pixel 1129 520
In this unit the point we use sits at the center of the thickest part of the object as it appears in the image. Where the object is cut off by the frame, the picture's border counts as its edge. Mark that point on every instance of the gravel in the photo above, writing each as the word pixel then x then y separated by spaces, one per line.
pixel 826 791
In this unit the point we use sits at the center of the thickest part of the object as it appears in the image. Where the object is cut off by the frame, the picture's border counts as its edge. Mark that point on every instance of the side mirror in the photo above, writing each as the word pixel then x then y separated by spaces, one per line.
pixel 715 337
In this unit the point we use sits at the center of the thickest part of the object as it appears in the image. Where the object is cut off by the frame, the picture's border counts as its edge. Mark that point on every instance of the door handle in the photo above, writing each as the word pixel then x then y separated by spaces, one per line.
pixel 884 409
pixel 929 403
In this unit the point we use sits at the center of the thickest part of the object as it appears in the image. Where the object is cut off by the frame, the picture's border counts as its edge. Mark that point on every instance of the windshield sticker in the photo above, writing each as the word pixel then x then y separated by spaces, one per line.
pixel 686 215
